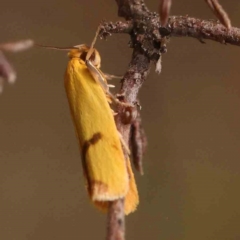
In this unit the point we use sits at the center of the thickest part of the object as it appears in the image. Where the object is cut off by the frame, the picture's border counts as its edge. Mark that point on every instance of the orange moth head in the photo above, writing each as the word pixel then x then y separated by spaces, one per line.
pixel 82 52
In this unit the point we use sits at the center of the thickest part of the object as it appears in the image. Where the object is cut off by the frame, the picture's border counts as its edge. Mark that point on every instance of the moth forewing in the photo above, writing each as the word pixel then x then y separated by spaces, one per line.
pixel 108 175
pixel 102 156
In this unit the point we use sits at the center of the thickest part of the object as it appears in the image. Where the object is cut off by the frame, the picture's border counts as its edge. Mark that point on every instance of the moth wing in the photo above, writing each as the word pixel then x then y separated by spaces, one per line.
pixel 105 168
pixel 102 156
pixel 131 198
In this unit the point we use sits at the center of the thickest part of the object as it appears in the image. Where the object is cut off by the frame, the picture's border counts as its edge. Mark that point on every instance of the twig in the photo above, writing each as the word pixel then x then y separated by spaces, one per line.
pixel 17 46
pixel 119 27
pixel 181 26
pixel 116 221
pixel 132 81
pixel 220 13
pixel 164 11
pixel 7 72
pixel 132 9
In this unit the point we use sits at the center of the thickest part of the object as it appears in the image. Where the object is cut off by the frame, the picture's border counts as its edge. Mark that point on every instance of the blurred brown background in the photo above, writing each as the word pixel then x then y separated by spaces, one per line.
pixel 191 114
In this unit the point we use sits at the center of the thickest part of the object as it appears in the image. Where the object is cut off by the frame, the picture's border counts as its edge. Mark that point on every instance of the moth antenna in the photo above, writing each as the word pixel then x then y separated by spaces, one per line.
pixel 91 49
pixel 95 38
pixel 55 48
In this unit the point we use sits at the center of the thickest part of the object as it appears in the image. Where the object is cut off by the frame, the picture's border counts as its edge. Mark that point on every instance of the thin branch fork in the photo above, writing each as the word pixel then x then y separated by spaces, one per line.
pixel 148 40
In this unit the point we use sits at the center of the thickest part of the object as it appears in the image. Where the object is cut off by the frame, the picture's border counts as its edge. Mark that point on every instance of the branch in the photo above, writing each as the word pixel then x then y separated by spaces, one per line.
pixel 182 26
pixel 116 221
pixel 202 29
pixel 148 40
pixel 106 28
pixel 132 9
pixel 131 83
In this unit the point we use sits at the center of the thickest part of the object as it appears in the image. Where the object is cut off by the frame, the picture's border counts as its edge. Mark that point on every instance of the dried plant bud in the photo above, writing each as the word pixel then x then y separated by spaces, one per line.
pixel 164 11
pixel 7 72
pixel 17 46
pixel 158 67
pixel 219 12
pixel 138 143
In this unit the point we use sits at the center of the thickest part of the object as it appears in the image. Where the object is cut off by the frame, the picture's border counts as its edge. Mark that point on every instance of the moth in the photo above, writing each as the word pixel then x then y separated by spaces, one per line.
pixel 108 175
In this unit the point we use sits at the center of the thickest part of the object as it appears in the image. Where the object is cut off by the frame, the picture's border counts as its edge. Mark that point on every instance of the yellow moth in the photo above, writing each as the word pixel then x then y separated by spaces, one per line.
pixel 108 175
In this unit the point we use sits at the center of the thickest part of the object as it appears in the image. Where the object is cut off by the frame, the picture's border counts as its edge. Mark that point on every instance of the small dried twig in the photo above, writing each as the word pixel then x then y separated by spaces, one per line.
pixel 220 13
pixel 129 9
pixel 164 11
pixel 138 143
pixel 17 46
pixel 7 72
pixel 106 28
pixel 132 9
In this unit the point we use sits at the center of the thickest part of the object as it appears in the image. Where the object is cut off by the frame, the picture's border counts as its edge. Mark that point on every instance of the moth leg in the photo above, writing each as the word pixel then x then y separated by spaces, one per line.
pixel 124 144
pixel 113 99
pixel 117 101
pixel 99 78
pixel 110 76
pixel 139 106
pixel 114 113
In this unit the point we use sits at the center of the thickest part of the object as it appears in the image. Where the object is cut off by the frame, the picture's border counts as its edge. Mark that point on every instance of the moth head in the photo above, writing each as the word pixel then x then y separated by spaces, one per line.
pixel 85 53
